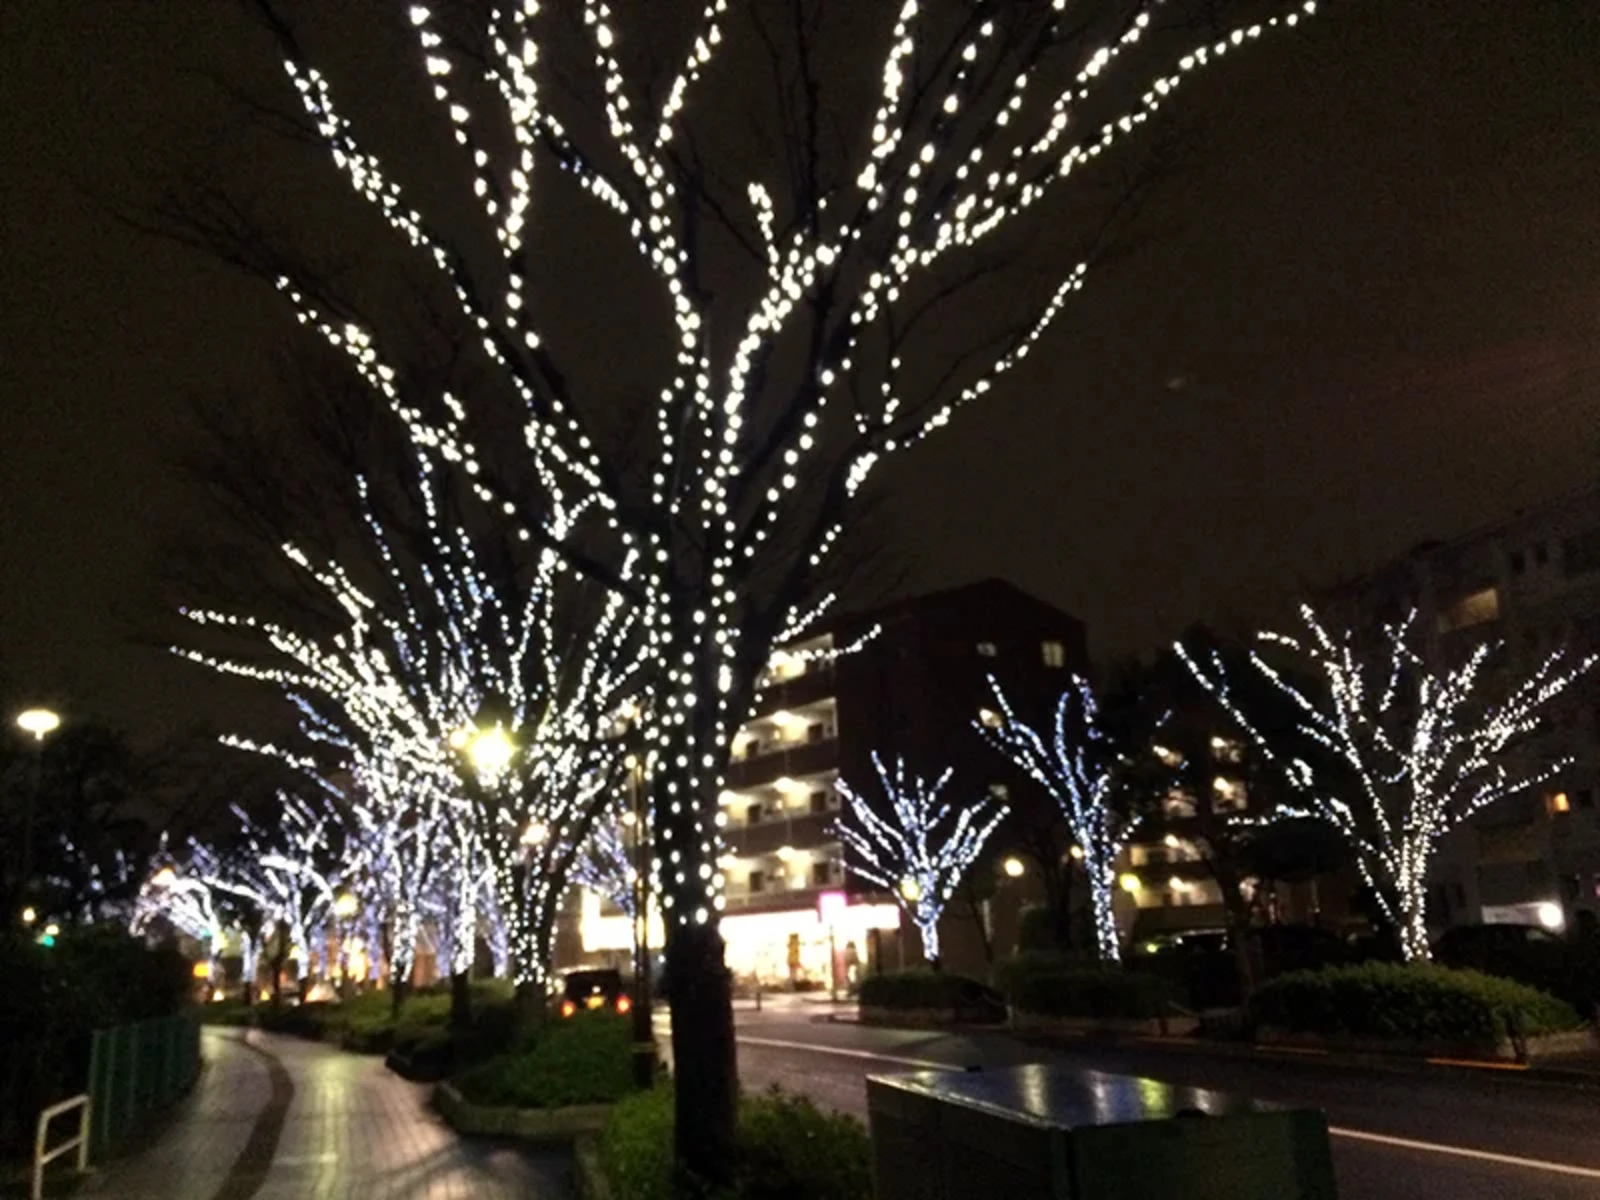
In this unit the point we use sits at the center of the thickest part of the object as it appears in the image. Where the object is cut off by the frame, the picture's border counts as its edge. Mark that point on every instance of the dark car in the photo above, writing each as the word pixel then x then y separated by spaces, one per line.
pixel 597 990
pixel 1203 961
pixel 1529 954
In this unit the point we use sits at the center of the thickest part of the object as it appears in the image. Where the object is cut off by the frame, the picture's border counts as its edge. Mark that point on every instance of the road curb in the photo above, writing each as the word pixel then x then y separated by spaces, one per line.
pixel 1532 1073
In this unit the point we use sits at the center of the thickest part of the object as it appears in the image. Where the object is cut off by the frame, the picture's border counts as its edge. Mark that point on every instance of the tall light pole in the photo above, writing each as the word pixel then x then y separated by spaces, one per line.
pixel 41 723
pixel 644 1043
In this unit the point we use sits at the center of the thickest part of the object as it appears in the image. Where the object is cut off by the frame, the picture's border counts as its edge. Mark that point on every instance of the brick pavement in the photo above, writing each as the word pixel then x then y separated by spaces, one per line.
pixel 276 1118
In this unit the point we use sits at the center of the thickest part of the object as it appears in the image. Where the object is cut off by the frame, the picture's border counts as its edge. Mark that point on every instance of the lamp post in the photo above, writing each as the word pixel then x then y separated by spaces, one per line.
pixel 41 723
pixel 644 1044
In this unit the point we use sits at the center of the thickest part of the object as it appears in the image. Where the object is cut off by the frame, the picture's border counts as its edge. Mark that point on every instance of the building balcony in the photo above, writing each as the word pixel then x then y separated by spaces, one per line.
pixel 775 899
pixel 803 831
pixel 817 683
pixel 792 760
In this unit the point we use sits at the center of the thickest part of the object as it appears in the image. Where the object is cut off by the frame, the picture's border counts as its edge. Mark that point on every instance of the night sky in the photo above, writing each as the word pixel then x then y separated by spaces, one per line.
pixel 1370 315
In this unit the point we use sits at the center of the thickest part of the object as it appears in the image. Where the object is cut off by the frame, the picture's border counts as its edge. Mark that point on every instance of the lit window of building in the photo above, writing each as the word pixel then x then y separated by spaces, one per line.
pixel 1557 802
pixel 987 650
pixel 1477 608
pixel 1229 794
pixel 1054 654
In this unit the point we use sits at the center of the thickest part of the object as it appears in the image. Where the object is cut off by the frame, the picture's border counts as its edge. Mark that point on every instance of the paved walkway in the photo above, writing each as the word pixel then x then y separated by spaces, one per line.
pixel 277 1118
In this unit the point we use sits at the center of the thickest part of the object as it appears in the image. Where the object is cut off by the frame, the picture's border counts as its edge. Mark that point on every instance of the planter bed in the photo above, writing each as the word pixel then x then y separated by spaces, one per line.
pixel 1177 1025
pixel 527 1124
pixel 908 1018
pixel 1543 1046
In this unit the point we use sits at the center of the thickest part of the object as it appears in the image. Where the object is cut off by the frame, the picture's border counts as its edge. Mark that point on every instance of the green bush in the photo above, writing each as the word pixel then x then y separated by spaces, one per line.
pixel 1414 1002
pixel 788 1149
pixel 54 997
pixel 918 989
pixel 584 1060
pixel 1048 985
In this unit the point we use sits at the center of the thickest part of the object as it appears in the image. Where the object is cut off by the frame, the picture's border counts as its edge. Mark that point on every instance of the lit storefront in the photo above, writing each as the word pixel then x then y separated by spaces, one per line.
pixel 779 948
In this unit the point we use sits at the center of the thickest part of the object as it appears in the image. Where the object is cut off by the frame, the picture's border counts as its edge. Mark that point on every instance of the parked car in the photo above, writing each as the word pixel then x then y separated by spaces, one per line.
pixel 593 990
pixel 1531 954
pixel 1204 963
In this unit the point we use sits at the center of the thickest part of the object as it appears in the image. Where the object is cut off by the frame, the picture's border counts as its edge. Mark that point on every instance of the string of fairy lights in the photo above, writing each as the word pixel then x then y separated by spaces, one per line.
pixel 1412 746
pixel 1076 768
pixel 397 701
pixel 918 847
pixel 729 498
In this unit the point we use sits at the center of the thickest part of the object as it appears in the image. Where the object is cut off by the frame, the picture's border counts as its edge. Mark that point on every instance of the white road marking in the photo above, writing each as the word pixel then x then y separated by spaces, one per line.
pixel 846 1052
pixel 1509 1160
pixel 1360 1135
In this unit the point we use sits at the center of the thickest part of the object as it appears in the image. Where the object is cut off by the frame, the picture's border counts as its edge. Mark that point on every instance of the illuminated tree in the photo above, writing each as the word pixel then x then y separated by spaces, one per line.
pixel 921 848
pixel 290 870
pixel 1081 768
pixel 824 313
pixel 1403 747
pixel 606 863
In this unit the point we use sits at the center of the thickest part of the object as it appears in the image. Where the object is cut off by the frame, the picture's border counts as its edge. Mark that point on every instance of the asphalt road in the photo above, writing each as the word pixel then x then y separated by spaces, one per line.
pixel 1418 1134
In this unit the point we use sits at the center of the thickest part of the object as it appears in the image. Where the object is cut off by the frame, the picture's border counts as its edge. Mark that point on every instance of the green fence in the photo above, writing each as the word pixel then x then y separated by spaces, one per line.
pixel 136 1069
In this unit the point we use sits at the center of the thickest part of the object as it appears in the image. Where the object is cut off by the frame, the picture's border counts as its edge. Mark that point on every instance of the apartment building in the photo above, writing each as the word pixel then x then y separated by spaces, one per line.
pixel 1531 583
pixel 908 679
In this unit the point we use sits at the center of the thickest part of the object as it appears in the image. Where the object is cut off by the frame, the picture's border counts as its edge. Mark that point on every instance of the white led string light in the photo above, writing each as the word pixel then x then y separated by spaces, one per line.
pixel 1426 746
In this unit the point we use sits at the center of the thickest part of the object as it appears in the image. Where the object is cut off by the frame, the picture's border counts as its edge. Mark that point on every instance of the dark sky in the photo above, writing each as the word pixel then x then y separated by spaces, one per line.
pixel 1368 316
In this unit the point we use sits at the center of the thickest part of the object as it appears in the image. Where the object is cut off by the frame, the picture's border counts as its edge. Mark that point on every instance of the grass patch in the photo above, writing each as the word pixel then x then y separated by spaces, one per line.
pixel 584 1060
pixel 1408 1002
pixel 788 1149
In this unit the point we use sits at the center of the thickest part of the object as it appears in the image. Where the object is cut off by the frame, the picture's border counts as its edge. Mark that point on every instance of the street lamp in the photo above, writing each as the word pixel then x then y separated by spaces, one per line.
pixel 164 878
pixel 41 723
pixel 1013 867
pixel 490 750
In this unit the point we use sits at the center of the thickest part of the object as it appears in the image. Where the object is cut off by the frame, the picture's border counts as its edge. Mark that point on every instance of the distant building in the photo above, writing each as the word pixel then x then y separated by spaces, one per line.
pixel 1531 581
pixel 911 680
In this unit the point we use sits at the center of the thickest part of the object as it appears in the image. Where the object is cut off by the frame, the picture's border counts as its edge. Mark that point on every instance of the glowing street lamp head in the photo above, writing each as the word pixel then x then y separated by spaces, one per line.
pixel 536 834
pixel 491 751
pixel 346 905
pixel 1131 883
pixel 41 722
pixel 911 890
pixel 164 878
pixel 30 915
pixel 1013 867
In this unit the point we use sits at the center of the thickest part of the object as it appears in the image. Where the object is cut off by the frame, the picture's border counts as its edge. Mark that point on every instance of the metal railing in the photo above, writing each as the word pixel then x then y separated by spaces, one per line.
pixel 138 1068
pixel 42 1157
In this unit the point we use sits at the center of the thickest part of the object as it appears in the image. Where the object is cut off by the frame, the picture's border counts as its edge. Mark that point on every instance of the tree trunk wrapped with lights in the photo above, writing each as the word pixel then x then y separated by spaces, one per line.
pixel 1079 770
pixel 814 360
pixel 1402 748
pixel 922 849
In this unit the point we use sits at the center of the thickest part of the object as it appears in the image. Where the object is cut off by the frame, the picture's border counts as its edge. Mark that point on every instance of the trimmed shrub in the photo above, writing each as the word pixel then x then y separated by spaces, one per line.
pixel 1054 987
pixel 54 997
pixel 584 1060
pixel 1417 1002
pixel 919 989
pixel 787 1148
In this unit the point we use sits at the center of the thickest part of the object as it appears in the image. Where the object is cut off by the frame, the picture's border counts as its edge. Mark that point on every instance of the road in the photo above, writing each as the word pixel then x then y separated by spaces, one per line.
pixel 1450 1134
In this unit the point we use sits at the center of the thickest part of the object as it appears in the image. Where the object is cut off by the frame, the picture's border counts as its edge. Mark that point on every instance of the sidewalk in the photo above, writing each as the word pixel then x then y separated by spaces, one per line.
pixel 276 1118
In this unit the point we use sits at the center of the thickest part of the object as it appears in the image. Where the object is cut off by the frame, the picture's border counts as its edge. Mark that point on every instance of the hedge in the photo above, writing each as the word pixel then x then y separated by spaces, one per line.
pixel 51 1000
pixel 1415 1002
pixel 581 1060
pixel 787 1149
pixel 918 989
pixel 1055 987
pixel 366 1022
